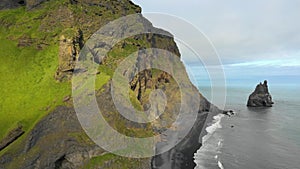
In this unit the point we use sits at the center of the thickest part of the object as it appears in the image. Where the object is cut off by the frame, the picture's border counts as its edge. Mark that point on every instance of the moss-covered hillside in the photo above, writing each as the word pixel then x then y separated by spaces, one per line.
pixel 40 42
pixel 30 51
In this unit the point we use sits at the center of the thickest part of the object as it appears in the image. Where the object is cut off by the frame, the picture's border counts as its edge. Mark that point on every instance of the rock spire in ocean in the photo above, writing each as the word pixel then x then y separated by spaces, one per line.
pixel 261 96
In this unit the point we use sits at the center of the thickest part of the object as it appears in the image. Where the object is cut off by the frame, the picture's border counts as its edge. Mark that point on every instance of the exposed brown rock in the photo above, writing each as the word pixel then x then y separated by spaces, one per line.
pixel 25 41
pixel 69 48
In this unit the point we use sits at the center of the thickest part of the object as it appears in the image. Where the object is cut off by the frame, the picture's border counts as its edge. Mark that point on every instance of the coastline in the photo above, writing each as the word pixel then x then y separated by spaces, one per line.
pixel 182 155
pixel 208 155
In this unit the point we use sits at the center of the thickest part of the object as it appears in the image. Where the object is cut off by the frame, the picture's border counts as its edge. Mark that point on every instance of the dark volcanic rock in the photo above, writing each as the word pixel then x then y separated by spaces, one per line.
pixel 261 96
pixel 228 112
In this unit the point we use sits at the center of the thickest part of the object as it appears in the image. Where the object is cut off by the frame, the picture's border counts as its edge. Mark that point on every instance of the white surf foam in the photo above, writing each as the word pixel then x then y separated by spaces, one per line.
pixel 207 155
pixel 216 124
pixel 220 165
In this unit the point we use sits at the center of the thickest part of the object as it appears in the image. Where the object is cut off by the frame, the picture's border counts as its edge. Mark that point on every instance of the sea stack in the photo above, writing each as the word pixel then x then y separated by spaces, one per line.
pixel 261 96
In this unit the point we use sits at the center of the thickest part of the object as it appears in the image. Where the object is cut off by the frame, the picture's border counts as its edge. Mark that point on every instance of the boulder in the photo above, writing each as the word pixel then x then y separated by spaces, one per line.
pixel 261 96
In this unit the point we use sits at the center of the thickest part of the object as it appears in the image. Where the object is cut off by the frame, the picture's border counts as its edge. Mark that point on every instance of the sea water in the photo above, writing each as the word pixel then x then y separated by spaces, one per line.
pixel 254 138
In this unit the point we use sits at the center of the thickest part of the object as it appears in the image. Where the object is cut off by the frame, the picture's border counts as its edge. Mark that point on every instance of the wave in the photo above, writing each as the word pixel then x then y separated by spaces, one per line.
pixel 207 156
pixel 220 165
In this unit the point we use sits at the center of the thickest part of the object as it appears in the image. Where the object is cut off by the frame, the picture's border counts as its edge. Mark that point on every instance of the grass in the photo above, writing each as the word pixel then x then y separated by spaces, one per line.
pixel 111 161
pixel 28 88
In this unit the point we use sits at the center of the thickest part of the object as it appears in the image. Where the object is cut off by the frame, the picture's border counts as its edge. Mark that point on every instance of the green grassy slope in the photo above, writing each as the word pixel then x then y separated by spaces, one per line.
pixel 28 88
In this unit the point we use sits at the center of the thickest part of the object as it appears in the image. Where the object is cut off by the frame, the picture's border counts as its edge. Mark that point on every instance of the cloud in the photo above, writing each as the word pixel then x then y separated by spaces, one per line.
pixel 269 63
pixel 239 29
pixel 251 37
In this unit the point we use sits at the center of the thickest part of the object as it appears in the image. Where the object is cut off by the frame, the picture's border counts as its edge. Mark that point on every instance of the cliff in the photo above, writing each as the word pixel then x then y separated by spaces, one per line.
pixel 42 41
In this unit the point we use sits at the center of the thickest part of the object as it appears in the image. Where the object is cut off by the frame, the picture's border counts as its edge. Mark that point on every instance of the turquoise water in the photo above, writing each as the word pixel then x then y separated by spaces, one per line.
pixel 264 138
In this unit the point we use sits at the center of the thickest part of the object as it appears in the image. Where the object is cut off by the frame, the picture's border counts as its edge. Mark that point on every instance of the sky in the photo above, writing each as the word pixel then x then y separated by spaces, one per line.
pixel 257 38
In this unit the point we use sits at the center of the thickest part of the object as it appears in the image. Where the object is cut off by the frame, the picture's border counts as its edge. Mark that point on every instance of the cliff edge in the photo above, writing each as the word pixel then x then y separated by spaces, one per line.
pixel 49 35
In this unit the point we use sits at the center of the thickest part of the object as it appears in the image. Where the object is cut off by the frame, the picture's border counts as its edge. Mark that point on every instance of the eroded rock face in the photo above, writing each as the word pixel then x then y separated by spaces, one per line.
pixel 261 96
pixel 69 47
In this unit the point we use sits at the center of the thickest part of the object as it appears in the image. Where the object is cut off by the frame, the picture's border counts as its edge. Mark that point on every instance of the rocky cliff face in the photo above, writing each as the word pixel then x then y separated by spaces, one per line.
pixel 58 141
pixel 261 96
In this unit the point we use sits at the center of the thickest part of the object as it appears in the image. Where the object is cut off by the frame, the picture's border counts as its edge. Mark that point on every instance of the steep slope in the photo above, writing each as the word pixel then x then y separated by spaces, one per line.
pixel 41 42
pixel 33 51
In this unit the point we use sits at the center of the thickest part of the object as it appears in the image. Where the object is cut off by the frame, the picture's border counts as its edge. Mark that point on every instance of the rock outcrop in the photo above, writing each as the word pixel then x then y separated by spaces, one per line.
pixel 69 48
pixel 261 96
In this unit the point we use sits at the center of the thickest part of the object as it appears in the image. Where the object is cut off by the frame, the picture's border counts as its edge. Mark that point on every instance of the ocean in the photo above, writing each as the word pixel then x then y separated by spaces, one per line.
pixel 254 138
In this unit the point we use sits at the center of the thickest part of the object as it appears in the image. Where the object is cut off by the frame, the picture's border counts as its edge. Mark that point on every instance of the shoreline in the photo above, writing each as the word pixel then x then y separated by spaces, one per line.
pixel 182 155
